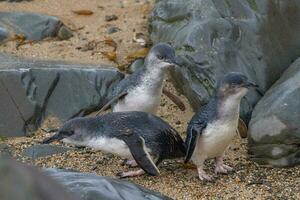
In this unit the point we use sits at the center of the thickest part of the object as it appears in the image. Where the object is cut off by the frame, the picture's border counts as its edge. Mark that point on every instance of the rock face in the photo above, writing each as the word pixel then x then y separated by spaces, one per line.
pixel 31 26
pixel 19 182
pixel 91 187
pixel 43 150
pixel 31 91
pixel 274 130
pixel 259 38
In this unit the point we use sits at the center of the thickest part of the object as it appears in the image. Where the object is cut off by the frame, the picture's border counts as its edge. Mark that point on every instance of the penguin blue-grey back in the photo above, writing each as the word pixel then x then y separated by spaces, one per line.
pixel 133 135
pixel 211 129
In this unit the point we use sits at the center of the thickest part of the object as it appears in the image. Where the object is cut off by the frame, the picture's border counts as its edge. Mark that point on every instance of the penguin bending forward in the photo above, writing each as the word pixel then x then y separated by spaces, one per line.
pixel 143 138
pixel 212 129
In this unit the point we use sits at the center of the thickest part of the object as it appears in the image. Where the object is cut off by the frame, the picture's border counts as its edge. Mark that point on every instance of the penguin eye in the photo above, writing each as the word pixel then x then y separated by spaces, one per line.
pixel 160 57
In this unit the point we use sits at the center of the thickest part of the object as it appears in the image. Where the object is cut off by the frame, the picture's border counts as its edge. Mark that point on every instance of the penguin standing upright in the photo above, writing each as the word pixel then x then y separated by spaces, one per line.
pixel 141 91
pixel 212 129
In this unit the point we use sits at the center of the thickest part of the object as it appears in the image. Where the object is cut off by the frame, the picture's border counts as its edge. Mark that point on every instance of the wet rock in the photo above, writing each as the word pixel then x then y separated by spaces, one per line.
pixel 32 90
pixel 43 150
pixel 112 30
pixel 19 182
pixel 257 38
pixel 89 187
pixel 274 130
pixel 32 26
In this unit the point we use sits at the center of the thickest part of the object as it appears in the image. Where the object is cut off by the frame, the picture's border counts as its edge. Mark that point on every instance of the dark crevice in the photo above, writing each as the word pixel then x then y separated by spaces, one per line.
pixel 50 91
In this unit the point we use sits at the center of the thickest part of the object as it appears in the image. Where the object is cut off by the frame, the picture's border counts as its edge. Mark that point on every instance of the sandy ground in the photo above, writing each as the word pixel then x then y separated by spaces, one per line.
pixel 86 46
pixel 249 181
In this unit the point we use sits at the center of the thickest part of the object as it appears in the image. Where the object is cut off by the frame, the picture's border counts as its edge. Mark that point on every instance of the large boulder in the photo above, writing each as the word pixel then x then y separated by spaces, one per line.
pixel 259 38
pixel 33 90
pixel 92 187
pixel 31 26
pixel 274 130
pixel 20 182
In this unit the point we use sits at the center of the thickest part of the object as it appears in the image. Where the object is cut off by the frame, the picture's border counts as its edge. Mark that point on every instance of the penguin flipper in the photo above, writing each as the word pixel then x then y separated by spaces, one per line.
pixel 108 104
pixel 137 148
pixel 192 135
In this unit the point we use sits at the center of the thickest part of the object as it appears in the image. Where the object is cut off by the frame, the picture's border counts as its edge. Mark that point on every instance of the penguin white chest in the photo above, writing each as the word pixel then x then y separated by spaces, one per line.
pixel 139 99
pixel 108 145
pixel 216 138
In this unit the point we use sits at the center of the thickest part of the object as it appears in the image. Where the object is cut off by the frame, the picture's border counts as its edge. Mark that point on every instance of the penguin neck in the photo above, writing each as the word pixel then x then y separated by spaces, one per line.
pixel 153 77
pixel 228 107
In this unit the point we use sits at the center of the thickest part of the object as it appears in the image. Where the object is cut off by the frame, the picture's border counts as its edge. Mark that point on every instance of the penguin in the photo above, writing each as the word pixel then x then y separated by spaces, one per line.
pixel 141 137
pixel 141 91
pixel 212 129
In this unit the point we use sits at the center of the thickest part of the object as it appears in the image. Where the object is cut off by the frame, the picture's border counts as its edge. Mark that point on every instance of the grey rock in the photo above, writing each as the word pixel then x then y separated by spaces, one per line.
pixel 92 187
pixel 112 30
pixel 3 34
pixel 20 182
pixel 43 150
pixel 32 26
pixel 33 90
pixel 274 129
pixel 259 38
pixel 64 33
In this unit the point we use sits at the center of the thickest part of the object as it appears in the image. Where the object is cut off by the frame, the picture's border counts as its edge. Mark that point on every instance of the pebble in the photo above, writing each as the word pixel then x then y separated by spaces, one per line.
pixel 109 18
pixel 64 33
pixel 113 29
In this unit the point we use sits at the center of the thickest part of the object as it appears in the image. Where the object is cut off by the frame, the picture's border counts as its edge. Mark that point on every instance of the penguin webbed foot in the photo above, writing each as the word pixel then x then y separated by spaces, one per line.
pixel 221 167
pixel 203 176
pixel 130 173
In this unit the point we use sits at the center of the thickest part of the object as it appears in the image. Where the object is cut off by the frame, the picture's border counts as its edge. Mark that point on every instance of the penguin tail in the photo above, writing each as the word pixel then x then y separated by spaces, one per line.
pixel 55 137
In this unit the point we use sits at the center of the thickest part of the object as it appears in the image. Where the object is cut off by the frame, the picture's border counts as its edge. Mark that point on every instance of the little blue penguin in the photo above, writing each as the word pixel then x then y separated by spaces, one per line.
pixel 212 129
pixel 141 91
pixel 142 137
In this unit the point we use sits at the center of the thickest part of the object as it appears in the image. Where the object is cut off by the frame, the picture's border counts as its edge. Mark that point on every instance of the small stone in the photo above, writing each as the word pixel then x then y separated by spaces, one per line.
pixel 178 122
pixel 64 33
pixel 109 18
pixel 112 30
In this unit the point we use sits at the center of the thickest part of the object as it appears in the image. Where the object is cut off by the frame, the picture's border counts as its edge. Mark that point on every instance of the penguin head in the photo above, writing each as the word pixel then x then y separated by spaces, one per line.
pixel 234 84
pixel 162 55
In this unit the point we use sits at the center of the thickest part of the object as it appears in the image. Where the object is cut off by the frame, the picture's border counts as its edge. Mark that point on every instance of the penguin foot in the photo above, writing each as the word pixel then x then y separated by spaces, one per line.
pixel 221 167
pixel 130 173
pixel 130 163
pixel 203 176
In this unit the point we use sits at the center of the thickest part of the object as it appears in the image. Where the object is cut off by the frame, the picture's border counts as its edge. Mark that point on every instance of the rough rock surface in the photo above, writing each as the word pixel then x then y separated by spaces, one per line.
pixel 19 182
pixel 259 38
pixel 274 130
pixel 89 187
pixel 32 90
pixel 43 150
pixel 31 26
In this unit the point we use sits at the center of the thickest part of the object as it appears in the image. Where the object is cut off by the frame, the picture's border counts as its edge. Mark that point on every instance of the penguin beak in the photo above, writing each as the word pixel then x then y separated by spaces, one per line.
pixel 249 84
pixel 174 61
